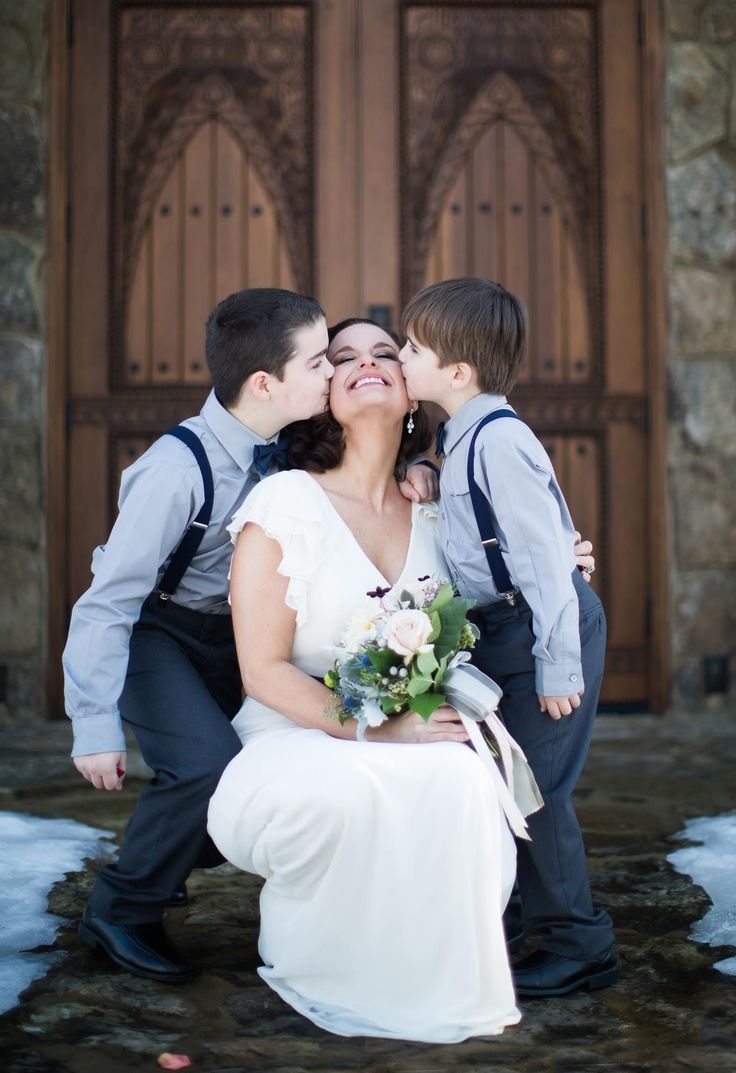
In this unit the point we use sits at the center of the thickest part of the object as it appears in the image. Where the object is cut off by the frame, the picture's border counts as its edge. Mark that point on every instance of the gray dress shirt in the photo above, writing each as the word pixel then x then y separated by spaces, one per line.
pixel 160 494
pixel 534 528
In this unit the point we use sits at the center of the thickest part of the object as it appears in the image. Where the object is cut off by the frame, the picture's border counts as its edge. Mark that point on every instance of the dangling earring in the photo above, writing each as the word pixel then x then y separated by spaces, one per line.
pixel 410 422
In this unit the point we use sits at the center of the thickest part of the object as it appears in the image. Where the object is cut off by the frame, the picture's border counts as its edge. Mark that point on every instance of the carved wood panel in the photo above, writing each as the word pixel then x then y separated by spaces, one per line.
pixel 505 123
pixel 498 137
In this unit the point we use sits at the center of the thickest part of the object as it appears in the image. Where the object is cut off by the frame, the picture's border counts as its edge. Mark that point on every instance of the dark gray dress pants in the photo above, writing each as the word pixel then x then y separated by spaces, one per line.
pixel 554 894
pixel 181 691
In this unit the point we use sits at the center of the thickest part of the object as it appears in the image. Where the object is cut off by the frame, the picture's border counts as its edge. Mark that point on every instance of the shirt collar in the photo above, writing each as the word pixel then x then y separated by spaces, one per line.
pixel 469 415
pixel 236 438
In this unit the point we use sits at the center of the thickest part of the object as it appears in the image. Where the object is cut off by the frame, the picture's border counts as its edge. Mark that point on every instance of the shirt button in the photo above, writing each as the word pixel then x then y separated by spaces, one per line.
pixel 573 678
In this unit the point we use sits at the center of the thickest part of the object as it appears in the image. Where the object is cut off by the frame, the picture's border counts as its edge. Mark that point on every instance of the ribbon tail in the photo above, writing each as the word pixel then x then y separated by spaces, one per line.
pixel 516 821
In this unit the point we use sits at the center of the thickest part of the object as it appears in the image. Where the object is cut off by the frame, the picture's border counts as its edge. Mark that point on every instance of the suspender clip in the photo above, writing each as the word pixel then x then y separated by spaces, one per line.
pixel 198 525
pixel 490 543
pixel 164 595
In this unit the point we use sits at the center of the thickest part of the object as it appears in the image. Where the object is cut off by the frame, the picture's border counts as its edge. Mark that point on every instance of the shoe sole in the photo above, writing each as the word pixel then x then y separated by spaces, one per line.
pixel 94 940
pixel 590 983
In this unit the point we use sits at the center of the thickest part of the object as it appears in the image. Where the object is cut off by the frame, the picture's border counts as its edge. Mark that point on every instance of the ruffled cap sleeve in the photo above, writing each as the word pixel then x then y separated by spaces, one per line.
pixel 289 509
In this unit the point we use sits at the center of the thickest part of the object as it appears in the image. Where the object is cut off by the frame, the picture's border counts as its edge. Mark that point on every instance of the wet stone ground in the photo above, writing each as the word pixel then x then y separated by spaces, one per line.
pixel 670 1011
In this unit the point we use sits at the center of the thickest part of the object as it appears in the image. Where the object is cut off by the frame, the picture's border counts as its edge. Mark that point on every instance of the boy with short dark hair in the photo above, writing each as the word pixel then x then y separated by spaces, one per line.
pixel 508 538
pixel 151 640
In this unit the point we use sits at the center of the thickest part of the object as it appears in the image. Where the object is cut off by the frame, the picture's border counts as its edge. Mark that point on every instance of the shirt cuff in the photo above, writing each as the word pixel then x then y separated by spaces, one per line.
pixel 559 679
pixel 98 734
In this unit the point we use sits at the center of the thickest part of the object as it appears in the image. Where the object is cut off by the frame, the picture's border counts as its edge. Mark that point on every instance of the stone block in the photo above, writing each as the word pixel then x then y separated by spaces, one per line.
pixel 16 61
pixel 702 312
pixel 704 511
pixel 21 601
pixel 21 176
pixel 703 618
pixel 719 21
pixel 704 393
pixel 25 692
pixel 17 300
pixel 22 520
pixel 698 89
pixel 702 210
pixel 20 379
pixel 682 17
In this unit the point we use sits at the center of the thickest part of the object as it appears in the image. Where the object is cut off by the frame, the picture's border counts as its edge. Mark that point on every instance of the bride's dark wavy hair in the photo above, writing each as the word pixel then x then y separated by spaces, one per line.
pixel 318 444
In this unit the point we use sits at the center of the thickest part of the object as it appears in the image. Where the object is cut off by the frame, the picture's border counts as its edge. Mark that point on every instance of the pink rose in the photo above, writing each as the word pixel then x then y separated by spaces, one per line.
pixel 406 633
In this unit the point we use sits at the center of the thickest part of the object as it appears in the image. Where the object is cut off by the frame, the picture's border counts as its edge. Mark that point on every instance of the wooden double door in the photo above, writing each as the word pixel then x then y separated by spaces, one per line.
pixel 355 150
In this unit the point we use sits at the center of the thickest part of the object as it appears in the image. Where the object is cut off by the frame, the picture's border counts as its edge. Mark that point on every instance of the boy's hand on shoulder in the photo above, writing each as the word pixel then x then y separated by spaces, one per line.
pixel 105 771
pixel 420 484
pixel 556 707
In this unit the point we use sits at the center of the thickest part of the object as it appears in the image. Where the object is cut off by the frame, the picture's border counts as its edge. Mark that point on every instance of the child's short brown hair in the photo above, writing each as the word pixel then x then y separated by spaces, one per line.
pixel 472 320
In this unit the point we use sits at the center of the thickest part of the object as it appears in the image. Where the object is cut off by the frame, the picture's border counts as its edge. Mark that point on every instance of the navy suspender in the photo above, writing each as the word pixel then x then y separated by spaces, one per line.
pixel 192 538
pixel 484 518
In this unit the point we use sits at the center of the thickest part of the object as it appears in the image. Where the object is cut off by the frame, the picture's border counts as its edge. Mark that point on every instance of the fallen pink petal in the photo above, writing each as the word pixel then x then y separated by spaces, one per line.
pixel 174 1061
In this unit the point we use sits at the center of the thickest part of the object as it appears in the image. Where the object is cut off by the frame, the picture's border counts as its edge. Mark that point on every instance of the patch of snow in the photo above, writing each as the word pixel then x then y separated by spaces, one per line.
pixel 34 854
pixel 712 865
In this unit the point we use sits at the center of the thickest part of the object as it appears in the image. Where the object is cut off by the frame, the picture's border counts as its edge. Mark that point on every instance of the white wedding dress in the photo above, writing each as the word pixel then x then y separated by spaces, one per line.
pixel 387 866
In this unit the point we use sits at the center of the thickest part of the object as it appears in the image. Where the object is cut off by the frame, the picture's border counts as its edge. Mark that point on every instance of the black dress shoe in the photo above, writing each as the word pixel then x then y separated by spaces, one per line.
pixel 545 973
pixel 179 899
pixel 143 949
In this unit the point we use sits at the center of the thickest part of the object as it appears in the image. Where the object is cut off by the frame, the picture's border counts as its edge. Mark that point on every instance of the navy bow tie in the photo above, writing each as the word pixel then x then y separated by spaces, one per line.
pixel 266 455
pixel 439 439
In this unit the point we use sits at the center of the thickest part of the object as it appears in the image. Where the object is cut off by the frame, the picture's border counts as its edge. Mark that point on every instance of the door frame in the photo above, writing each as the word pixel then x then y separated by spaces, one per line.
pixel 652 56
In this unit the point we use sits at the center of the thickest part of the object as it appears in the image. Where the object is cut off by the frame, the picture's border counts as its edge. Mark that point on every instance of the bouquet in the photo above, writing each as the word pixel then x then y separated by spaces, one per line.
pixel 408 652
pixel 397 651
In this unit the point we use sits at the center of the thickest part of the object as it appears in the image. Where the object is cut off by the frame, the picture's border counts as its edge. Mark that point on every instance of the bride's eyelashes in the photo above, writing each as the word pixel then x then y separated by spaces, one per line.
pixel 385 356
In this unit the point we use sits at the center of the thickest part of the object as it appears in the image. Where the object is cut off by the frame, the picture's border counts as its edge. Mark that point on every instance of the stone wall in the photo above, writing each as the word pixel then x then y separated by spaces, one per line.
pixel 23 69
pixel 701 189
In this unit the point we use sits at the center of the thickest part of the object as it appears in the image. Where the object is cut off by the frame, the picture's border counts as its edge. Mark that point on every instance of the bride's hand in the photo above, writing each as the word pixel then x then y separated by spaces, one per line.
pixel 443 725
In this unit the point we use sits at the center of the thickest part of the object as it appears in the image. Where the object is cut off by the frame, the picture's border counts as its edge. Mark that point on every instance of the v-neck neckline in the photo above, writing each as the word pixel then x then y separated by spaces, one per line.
pixel 357 543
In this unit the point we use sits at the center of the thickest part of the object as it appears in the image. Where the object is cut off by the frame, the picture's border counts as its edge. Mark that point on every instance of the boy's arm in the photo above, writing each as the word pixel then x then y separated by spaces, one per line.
pixel 157 501
pixel 539 559
pixel 421 482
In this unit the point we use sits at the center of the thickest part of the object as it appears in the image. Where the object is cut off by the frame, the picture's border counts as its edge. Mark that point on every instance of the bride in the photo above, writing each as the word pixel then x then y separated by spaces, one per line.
pixel 388 862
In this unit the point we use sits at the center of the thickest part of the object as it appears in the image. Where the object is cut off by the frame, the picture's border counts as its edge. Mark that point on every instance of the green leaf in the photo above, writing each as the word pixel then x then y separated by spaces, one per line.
pixel 427 703
pixel 443 597
pixel 439 674
pixel 436 626
pixel 419 683
pixel 382 659
pixel 452 620
pixel 426 662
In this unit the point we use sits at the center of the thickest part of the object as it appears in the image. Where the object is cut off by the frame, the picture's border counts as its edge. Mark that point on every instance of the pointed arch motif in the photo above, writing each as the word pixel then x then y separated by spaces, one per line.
pixel 500 99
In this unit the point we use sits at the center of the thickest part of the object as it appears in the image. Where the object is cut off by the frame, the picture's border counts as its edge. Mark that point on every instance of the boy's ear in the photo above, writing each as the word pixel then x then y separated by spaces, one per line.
pixel 258 386
pixel 462 376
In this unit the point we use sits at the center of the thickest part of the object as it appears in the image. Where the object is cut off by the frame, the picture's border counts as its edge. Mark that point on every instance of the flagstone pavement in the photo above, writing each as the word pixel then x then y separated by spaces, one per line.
pixel 669 1012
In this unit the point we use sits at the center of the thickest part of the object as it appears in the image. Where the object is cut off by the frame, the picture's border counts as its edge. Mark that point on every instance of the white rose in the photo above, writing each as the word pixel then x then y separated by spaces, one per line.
pixel 406 633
